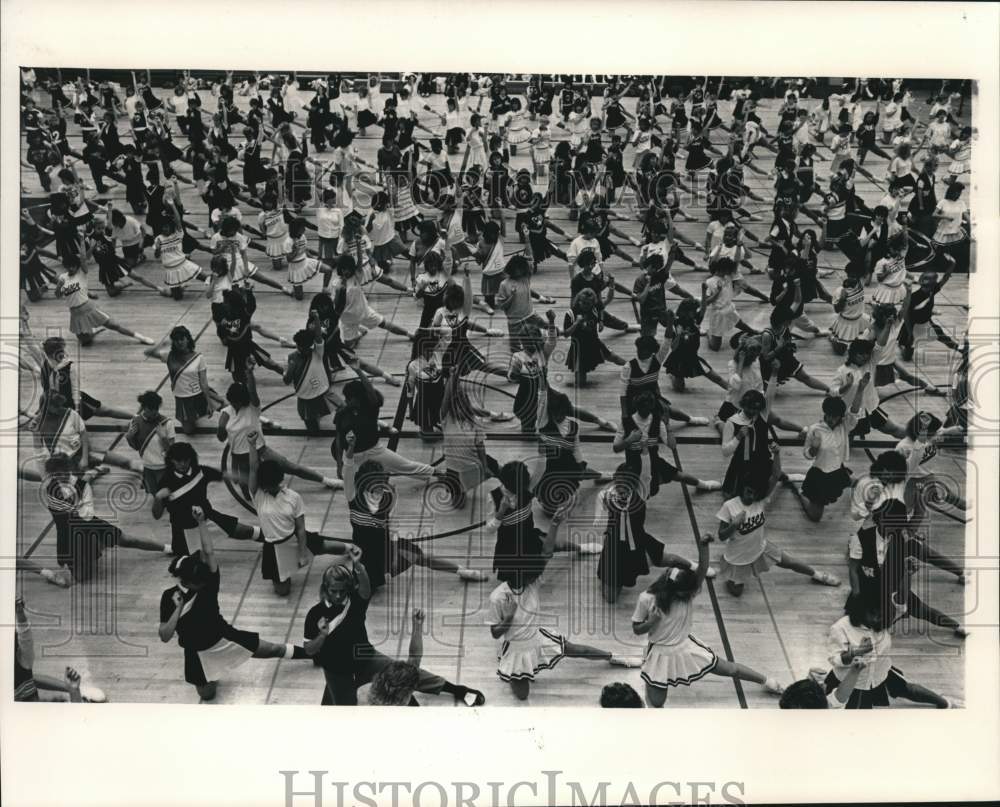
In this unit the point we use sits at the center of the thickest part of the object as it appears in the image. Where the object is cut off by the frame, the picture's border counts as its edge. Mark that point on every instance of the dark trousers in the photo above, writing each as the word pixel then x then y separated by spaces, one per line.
pixel 342 687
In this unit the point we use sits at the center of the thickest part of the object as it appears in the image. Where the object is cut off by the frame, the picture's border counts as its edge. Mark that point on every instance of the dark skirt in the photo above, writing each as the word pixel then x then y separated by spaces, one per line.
pixel 236 357
pixel 384 558
pixel 366 118
pixel 190 409
pixel 892 687
pixel 620 566
pixel 35 276
pixel 685 365
pixel 312 408
pixel 427 405
pixel 586 353
pixel 541 247
pixel 823 488
pixel 518 550
pixel 759 467
pixel 558 482
pixel 726 411
pixel 111 271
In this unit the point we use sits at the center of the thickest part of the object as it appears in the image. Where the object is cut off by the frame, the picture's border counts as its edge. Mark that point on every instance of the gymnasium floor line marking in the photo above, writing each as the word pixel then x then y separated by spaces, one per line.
pixel 777 632
pixel 298 601
pixel 121 434
pixel 465 592
pixel 720 622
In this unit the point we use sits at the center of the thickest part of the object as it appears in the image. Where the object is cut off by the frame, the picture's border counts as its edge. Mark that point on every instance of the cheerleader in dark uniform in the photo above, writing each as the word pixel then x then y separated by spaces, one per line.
pixel 683 361
pixel 582 325
pixel 211 645
pixel 425 385
pixel 453 323
pixel 533 226
pixel 36 276
pixel 371 500
pixel 253 164
pixel 697 159
pixel 111 269
pixel 236 332
pixel 640 435
pixel 564 469
pixel 628 550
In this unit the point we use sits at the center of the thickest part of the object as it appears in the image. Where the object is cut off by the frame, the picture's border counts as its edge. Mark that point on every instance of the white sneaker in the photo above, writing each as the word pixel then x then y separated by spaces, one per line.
pixel 795 478
pixel 590 548
pixel 473 575
pixel 92 694
pixel 698 421
pixel 168 550
pixel 826 579
pixel 621 661
pixel 494 332
pixel 709 485
pixel 955 703
pixel 712 572
pixel 144 340
pixel 61 577
pixel 502 417
pixel 333 483
pixel 772 686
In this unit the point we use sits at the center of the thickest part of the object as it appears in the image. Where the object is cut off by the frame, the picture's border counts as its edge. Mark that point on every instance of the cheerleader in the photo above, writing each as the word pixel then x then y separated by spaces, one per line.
pixel 273 223
pixel 529 369
pixel 749 553
pixel 743 374
pixel 747 441
pixel 474 138
pixel 183 495
pixel 525 647
pixel 541 149
pixel 919 325
pixel 628 551
pixel 151 434
pixel 717 305
pixel 649 292
pixel 516 130
pixel 35 275
pixel 467 464
pixel 828 445
pixel 783 235
pixel 952 234
pixel 81 537
pixel 301 267
pixel 778 359
pixel 862 638
pixel 674 657
pixel 193 397
pixel 211 645
pixel 639 436
pixel 582 325
pixel 371 500
pixel 55 374
pixel 453 323
pixel 533 226
pixel 886 319
pixel 890 272
pixel 960 152
pixel 231 243
pixel 235 329
pixel 240 420
pixel 428 241
pixel 924 488
pixel 369 100
pixel 337 639
pixel 178 269
pixel 357 316
pixel 683 361
pixel 851 319
pixel 425 385
pixel 514 298
pixel 454 131
pixel 84 317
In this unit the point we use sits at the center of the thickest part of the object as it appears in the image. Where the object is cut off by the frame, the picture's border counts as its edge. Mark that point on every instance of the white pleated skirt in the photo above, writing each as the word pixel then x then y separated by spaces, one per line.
pixel 681 664
pixel 522 659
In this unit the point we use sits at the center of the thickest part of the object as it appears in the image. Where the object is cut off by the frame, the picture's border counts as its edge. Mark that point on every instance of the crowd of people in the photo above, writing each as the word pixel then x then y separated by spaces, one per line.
pixel 271 171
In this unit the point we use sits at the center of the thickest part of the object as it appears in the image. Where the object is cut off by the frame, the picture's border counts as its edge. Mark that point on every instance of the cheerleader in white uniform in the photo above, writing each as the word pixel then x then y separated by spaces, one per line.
pixel 517 127
pixel 673 656
pixel 890 272
pixel 541 148
pixel 231 243
pixel 851 319
pixel 301 267
pixel 273 224
pixel 178 269
pixel 212 647
pixel 525 647
pixel 748 553
pixel 960 151
pixel 85 317
pixel 477 151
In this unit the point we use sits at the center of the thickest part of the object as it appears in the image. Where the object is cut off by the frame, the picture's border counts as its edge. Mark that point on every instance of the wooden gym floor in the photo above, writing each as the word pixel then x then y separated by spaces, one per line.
pixel 779 626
